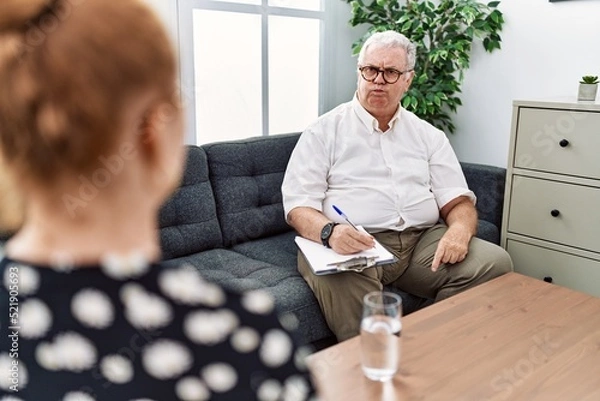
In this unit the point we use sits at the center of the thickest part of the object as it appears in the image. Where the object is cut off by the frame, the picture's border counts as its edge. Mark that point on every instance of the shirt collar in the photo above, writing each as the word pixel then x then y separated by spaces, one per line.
pixel 367 119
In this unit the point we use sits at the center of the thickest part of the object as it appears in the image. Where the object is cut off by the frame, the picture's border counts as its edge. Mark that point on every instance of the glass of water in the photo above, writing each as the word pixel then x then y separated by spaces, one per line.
pixel 380 330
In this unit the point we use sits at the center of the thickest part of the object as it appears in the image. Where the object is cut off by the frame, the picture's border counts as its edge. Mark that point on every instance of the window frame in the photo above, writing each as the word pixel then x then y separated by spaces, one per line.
pixel 185 10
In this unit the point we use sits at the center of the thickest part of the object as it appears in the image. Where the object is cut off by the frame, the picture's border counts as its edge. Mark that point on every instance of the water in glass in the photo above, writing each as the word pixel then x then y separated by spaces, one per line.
pixel 380 346
pixel 379 331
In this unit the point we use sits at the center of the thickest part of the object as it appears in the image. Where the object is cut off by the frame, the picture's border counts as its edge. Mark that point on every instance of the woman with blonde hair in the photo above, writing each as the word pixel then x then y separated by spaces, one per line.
pixel 91 130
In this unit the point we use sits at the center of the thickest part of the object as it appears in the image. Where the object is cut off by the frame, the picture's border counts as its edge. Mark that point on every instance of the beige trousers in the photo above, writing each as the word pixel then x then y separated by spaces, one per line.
pixel 340 295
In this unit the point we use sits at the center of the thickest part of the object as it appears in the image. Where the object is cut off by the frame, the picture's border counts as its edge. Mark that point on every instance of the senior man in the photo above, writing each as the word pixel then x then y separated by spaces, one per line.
pixel 398 177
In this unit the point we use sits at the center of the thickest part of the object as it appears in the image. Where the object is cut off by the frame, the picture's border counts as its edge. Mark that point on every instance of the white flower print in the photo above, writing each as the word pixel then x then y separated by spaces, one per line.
pixel 78 396
pixel 123 267
pixel 276 348
pixel 269 390
pixel 206 327
pixel 220 377
pixel 116 369
pixel 143 309
pixel 92 308
pixel 289 321
pixel 28 279
pixel 36 319
pixel 245 340
pixel 62 262
pixel 186 286
pixel 300 357
pixel 295 389
pixel 166 359
pixel 258 302
pixel 6 363
pixel 10 398
pixel 192 389
pixel 69 351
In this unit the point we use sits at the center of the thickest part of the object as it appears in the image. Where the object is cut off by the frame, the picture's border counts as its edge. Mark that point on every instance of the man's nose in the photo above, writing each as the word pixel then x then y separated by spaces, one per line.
pixel 379 78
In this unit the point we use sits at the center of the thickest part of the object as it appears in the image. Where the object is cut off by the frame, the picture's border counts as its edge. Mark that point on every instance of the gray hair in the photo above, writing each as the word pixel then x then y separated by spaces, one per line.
pixel 390 39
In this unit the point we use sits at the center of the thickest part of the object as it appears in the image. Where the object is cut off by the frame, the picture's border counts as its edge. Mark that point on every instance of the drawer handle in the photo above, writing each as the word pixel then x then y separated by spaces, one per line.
pixel 554 212
pixel 548 279
pixel 563 143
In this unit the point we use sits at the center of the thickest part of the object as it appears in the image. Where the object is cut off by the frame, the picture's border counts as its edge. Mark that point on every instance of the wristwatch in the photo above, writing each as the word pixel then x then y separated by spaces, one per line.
pixel 326 233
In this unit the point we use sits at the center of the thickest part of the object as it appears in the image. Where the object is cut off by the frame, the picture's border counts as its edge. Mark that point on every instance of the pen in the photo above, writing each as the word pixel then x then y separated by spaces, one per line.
pixel 338 211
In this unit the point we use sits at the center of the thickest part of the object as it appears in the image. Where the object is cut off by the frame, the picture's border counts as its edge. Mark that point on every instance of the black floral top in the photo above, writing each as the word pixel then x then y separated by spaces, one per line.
pixel 134 331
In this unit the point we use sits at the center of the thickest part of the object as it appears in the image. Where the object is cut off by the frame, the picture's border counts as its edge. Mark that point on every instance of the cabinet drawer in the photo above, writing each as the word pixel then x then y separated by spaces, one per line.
pixel 539 136
pixel 571 271
pixel 534 201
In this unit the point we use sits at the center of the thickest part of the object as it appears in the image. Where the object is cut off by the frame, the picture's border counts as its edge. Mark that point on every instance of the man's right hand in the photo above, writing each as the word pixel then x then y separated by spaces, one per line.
pixel 346 240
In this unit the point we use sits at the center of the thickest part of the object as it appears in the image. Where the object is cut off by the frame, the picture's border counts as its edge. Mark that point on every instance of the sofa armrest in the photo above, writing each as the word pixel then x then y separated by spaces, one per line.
pixel 488 184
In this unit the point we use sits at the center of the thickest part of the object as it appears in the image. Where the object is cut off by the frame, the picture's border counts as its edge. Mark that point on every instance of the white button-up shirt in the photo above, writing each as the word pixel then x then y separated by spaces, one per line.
pixel 381 180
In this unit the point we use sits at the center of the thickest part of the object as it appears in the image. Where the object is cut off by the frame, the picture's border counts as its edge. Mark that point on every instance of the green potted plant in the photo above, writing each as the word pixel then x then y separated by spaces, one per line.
pixel 588 87
pixel 443 33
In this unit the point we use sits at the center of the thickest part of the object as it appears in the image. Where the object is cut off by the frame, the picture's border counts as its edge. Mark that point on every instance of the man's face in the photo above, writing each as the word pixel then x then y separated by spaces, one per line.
pixel 378 97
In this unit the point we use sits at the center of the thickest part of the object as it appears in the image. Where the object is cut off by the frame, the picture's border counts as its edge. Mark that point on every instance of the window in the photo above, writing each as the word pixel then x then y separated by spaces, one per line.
pixel 250 67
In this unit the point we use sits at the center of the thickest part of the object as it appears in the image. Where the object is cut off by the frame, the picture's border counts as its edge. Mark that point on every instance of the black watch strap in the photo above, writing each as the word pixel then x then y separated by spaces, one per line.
pixel 326 232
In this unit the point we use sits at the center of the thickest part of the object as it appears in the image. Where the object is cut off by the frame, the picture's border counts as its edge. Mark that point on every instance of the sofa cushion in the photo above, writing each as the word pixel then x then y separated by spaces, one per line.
pixel 488 232
pixel 188 220
pixel 246 176
pixel 279 250
pixel 236 271
pixel 270 264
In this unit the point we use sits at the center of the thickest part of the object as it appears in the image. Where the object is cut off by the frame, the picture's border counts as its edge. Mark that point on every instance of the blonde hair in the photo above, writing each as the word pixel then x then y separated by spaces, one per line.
pixel 68 69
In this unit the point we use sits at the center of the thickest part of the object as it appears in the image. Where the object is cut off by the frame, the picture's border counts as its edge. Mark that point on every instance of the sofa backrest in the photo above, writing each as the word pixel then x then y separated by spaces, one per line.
pixel 188 220
pixel 246 176
pixel 231 193
pixel 487 182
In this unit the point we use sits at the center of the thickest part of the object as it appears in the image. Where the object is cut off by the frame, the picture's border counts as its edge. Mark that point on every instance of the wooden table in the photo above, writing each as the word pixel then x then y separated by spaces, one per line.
pixel 513 338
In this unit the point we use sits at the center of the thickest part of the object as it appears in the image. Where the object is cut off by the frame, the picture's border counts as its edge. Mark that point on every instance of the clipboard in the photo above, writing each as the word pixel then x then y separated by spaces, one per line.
pixel 323 260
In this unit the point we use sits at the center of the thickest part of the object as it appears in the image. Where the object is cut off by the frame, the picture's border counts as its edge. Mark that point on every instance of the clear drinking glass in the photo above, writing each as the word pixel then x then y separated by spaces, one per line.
pixel 380 330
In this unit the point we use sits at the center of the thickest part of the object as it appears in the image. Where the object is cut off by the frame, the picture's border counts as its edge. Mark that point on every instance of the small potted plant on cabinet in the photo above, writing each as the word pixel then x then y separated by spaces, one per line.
pixel 588 87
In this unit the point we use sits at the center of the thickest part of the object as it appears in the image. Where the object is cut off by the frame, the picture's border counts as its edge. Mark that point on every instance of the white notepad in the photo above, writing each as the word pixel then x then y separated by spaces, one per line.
pixel 320 258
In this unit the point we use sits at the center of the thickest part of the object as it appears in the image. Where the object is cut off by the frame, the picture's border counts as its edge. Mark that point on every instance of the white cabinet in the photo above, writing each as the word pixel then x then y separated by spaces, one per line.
pixel 551 222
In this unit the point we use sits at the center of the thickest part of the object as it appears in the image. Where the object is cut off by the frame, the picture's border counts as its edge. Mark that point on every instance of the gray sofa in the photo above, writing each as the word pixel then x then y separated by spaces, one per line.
pixel 227 220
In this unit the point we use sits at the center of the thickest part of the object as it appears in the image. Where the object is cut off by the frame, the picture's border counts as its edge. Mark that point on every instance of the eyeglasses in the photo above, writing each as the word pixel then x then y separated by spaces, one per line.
pixel 390 75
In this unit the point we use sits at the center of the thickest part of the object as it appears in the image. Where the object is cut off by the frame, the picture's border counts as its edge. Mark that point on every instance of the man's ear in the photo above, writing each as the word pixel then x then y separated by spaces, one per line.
pixel 411 75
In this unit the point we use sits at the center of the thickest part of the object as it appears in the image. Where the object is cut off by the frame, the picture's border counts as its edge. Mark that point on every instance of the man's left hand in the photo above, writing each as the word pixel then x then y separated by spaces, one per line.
pixel 453 247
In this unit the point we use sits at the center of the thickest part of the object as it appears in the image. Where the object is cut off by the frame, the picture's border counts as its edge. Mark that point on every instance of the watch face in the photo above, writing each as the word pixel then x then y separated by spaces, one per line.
pixel 326 231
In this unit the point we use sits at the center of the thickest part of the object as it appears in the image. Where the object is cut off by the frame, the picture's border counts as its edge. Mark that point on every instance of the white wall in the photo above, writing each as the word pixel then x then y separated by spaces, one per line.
pixel 546 48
